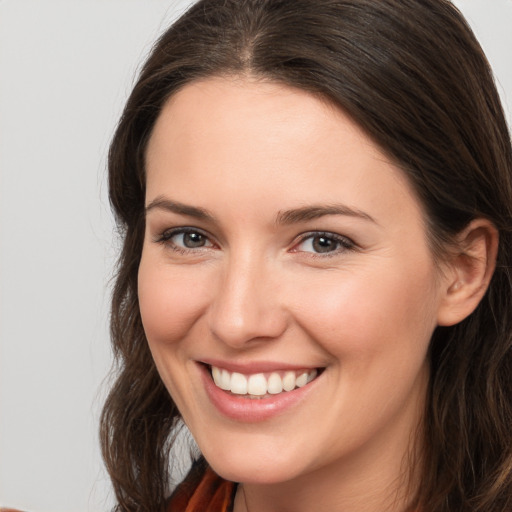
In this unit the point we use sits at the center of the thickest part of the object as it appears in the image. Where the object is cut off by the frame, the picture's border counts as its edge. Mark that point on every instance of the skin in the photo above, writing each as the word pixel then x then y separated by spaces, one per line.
pixel 245 151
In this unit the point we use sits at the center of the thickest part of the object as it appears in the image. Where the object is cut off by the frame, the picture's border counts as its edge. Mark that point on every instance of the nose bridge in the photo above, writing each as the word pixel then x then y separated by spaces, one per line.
pixel 245 307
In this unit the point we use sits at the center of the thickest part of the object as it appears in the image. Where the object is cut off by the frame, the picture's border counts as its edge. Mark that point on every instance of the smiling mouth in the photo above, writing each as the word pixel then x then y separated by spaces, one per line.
pixel 262 385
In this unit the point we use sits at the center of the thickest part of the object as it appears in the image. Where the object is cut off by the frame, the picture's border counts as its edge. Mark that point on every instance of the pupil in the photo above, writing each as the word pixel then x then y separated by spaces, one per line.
pixel 192 240
pixel 323 244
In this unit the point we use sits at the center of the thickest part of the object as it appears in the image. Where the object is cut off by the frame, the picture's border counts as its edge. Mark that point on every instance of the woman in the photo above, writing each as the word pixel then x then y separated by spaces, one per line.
pixel 316 207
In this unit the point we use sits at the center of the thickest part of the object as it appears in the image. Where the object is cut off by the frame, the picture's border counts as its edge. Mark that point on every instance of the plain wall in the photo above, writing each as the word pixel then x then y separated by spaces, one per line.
pixel 66 68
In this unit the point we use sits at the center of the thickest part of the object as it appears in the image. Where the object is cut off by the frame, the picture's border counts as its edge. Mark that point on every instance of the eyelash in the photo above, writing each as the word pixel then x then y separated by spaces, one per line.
pixel 342 242
pixel 166 239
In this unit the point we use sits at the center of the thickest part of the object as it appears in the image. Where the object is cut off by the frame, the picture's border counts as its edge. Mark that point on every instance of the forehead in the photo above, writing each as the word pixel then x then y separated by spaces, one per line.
pixel 225 111
pixel 254 139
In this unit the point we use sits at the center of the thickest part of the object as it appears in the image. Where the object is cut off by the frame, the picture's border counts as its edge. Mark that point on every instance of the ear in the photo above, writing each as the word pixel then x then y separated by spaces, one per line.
pixel 468 272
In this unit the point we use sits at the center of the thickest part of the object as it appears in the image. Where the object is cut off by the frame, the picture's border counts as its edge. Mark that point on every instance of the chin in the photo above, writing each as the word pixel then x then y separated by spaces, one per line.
pixel 254 475
pixel 255 470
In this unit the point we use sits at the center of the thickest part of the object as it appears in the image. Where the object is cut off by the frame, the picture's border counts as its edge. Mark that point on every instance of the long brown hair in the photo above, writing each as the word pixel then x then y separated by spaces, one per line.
pixel 412 74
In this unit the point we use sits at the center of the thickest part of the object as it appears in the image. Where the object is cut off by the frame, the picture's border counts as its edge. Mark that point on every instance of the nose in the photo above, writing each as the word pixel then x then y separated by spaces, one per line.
pixel 246 306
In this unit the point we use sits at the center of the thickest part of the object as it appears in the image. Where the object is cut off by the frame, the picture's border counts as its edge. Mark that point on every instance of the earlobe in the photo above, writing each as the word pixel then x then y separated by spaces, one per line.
pixel 469 271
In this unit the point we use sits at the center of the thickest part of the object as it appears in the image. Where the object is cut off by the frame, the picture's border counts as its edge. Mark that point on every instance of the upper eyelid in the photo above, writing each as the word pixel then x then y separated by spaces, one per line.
pixel 327 234
pixel 346 244
pixel 170 232
pixel 185 229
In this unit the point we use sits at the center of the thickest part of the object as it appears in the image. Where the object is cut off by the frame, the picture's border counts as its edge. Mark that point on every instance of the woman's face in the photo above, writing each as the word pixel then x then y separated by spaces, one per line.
pixel 284 250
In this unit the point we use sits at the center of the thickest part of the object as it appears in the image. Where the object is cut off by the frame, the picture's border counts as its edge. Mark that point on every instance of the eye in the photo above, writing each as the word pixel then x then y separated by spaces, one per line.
pixel 185 239
pixel 324 243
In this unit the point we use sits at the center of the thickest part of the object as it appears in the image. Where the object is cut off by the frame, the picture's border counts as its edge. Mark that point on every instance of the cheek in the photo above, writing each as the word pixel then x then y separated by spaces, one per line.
pixel 169 302
pixel 361 314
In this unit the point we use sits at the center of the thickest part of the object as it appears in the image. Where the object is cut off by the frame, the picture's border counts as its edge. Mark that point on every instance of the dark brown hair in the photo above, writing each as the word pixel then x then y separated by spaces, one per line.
pixel 413 76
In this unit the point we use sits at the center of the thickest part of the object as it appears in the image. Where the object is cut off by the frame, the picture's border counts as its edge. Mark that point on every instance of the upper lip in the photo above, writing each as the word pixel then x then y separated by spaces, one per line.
pixel 250 367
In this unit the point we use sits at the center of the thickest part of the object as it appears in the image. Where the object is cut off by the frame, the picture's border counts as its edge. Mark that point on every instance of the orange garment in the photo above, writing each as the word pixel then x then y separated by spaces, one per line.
pixel 203 492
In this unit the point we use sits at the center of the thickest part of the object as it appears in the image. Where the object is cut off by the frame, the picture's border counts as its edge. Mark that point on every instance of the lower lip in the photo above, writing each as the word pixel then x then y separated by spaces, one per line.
pixel 252 410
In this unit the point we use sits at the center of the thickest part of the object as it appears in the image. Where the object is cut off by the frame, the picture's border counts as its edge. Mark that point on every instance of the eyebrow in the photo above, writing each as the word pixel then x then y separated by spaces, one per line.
pixel 316 211
pixel 293 216
pixel 162 203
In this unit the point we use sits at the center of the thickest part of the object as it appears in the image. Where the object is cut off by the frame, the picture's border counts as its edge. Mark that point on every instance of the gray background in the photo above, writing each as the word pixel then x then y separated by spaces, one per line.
pixel 66 67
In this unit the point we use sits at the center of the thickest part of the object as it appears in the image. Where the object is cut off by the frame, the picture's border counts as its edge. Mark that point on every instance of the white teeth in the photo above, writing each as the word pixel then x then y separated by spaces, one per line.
pixel 275 384
pixel 225 380
pixel 258 385
pixel 289 381
pixel 238 384
pixel 301 380
pixel 216 374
